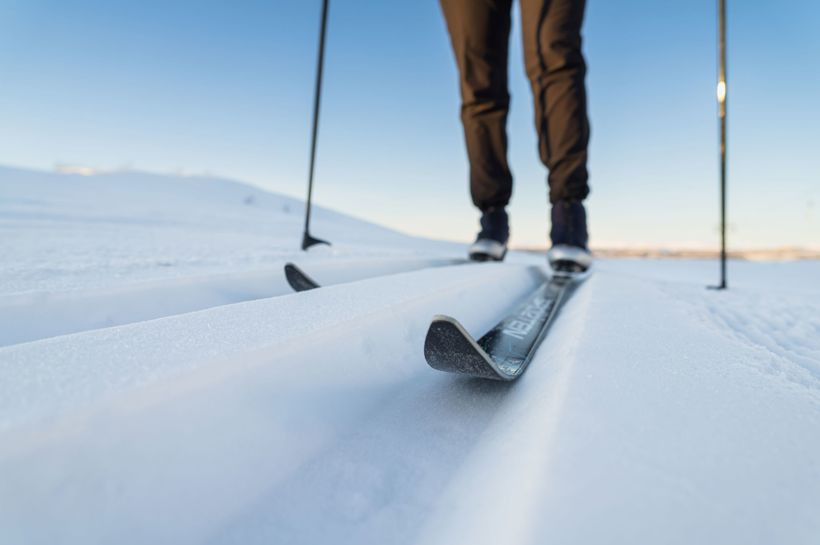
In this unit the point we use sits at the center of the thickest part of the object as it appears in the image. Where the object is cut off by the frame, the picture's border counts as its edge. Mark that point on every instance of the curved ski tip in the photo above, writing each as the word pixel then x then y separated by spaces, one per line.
pixel 448 322
pixel 297 279
pixel 449 347
pixel 292 272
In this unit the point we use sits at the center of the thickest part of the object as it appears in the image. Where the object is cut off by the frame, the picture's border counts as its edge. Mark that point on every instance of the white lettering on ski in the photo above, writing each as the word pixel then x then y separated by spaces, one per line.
pixel 522 324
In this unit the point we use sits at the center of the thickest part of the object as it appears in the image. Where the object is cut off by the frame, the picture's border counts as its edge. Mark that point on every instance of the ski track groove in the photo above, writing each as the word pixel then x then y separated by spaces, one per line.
pixel 170 369
pixel 519 442
pixel 35 315
pixel 192 409
pixel 391 490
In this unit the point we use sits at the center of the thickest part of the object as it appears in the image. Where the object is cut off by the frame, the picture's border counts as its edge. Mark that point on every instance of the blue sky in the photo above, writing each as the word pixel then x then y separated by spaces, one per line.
pixel 226 88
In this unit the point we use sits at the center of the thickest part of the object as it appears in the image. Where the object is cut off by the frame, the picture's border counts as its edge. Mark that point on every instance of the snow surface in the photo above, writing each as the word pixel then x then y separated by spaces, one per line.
pixel 160 384
pixel 83 252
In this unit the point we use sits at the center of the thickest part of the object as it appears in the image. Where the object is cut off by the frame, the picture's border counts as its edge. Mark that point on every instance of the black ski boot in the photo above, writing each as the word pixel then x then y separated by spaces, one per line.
pixel 491 242
pixel 569 253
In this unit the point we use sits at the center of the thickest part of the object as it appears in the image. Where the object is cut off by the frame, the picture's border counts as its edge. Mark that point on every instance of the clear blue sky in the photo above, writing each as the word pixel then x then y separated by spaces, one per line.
pixel 226 88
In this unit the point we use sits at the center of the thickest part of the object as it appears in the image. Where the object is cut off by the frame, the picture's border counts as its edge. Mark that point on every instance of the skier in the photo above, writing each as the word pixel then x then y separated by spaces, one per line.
pixel 479 32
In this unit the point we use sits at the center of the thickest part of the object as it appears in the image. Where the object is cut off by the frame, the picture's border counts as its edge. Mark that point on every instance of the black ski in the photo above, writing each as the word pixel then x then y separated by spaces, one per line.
pixel 506 350
pixel 297 278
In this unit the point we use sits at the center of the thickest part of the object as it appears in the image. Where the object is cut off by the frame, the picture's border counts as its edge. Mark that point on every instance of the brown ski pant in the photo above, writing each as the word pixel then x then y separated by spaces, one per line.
pixel 479 31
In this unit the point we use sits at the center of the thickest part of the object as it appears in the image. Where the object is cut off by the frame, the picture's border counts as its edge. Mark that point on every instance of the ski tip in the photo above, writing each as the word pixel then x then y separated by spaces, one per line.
pixel 441 327
pixel 444 318
pixel 449 347
pixel 298 280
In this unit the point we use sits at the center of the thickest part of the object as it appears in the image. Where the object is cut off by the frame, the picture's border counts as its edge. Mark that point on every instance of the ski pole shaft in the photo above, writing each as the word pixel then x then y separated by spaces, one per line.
pixel 721 98
pixel 722 95
pixel 307 239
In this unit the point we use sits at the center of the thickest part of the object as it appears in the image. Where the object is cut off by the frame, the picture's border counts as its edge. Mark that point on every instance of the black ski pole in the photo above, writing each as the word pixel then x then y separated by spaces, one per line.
pixel 722 92
pixel 307 239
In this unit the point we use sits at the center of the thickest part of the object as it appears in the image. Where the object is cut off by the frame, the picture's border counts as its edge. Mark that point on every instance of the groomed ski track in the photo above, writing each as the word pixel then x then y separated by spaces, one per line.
pixel 313 418
pixel 41 314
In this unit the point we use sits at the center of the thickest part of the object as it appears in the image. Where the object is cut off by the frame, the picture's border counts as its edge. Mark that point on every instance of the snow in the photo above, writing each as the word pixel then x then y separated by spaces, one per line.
pixel 84 252
pixel 160 384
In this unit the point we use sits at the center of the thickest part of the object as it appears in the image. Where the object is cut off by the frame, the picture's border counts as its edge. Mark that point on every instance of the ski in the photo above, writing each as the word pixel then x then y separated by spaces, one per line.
pixel 299 280
pixel 504 352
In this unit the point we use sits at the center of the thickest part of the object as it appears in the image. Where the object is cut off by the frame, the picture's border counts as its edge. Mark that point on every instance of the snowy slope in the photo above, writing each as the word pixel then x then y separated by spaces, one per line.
pixel 82 252
pixel 655 412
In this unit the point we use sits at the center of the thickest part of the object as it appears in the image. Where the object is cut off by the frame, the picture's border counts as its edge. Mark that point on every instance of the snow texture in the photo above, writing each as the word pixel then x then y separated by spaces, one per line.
pixel 159 383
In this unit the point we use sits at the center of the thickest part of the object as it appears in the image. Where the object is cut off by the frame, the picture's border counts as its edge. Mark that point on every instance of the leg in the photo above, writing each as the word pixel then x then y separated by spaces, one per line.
pixel 556 69
pixel 479 31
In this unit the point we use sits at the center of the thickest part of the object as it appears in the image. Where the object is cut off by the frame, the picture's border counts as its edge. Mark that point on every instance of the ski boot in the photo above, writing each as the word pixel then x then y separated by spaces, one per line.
pixel 569 254
pixel 491 242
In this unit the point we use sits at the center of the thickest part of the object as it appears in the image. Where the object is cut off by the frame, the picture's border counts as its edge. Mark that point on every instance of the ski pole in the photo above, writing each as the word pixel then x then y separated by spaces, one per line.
pixel 307 239
pixel 721 97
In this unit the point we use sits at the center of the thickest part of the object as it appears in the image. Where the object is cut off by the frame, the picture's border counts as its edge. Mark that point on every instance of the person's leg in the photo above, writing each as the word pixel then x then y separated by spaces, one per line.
pixel 551 32
pixel 479 32
pixel 555 65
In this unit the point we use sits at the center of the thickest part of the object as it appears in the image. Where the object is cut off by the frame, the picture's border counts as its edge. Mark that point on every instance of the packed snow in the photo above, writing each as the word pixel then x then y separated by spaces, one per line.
pixel 160 383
